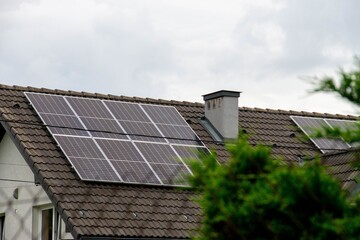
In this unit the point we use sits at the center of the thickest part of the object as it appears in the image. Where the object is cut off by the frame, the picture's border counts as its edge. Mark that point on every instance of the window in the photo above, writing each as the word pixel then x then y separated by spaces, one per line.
pixel 47 224
pixel 2 226
pixel 43 222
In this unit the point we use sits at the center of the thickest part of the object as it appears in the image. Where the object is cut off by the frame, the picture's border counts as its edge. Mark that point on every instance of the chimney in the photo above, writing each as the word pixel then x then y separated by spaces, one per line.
pixel 221 110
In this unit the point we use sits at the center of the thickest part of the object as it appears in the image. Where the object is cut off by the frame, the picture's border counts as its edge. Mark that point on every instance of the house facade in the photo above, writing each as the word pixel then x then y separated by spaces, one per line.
pixel 43 197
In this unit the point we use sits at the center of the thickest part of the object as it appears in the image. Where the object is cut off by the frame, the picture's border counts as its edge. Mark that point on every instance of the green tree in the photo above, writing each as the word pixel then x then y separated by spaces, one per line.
pixel 253 196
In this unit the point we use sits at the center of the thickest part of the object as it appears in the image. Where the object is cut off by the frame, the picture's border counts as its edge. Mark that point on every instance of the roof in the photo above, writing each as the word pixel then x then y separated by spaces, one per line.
pixel 136 211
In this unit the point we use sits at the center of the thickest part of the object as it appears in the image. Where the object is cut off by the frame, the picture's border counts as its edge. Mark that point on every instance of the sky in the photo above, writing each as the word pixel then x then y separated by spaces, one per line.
pixel 181 50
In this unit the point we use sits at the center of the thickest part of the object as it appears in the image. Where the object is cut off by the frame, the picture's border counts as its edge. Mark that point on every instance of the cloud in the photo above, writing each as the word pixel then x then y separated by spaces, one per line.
pixel 180 49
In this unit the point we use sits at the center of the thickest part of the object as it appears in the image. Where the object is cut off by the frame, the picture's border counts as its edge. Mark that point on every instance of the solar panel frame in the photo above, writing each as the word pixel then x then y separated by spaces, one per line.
pixel 324 144
pixel 130 138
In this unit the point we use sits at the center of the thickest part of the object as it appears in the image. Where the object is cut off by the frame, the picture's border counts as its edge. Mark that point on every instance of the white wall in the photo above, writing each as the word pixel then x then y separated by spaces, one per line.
pixel 16 174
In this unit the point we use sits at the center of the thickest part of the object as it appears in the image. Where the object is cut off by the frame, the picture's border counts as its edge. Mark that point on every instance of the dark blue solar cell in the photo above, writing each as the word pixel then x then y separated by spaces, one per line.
pixel 187 153
pixel 171 174
pixel 44 103
pixel 127 111
pixel 135 172
pixel 164 114
pixel 119 150
pixel 158 153
pixel 103 128
pixel 94 169
pixel 79 147
pixel 141 131
pixel 180 134
pixel 89 107
pixel 65 125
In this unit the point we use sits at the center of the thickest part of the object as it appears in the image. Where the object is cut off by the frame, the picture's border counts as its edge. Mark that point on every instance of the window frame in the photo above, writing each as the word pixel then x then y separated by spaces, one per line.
pixel 37 221
pixel 2 226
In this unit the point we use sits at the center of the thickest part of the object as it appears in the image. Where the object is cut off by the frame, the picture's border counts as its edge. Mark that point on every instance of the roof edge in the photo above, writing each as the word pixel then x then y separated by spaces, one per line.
pixel 165 102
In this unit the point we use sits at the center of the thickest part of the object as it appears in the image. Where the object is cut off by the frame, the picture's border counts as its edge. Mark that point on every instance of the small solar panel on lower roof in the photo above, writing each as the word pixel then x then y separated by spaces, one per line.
pixel 342 124
pixel 117 141
pixel 310 125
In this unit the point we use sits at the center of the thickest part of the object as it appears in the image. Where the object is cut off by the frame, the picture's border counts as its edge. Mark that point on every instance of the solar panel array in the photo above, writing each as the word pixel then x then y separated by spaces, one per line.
pixel 310 125
pixel 117 141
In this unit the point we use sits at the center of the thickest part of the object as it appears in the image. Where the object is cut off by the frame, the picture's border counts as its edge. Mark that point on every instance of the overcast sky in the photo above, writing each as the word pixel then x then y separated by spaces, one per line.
pixel 182 49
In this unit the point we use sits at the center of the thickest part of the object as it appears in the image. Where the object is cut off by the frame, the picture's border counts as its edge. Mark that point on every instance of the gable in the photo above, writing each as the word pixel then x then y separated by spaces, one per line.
pixel 18 192
pixel 13 166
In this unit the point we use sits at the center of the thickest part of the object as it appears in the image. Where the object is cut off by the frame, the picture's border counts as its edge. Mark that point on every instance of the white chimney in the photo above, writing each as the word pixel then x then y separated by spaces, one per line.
pixel 221 110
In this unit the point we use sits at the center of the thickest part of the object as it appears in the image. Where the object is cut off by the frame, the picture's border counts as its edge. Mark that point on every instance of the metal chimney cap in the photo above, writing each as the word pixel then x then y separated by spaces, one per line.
pixel 221 93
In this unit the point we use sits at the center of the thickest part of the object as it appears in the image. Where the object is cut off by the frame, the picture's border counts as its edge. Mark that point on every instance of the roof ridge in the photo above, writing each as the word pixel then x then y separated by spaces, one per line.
pixel 165 101
pixel 301 113
pixel 98 95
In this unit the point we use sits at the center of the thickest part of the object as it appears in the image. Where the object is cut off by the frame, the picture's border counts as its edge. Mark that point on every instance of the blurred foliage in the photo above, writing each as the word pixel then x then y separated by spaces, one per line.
pixel 253 196
pixel 347 86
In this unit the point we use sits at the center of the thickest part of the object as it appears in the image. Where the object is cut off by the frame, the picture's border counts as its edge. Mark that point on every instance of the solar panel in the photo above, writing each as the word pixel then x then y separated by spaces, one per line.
pixel 187 152
pixel 310 125
pixel 115 141
pixel 174 133
pixel 89 107
pixel 140 131
pixel 342 124
pixel 171 174
pixel 103 128
pixel 164 114
pixel 127 111
pixel 66 125
pixel 50 104
pixel 88 161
